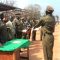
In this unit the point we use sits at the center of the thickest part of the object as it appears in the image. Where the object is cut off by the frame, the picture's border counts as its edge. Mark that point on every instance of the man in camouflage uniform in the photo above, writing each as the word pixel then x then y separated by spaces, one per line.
pixel 9 25
pixel 48 24
pixel 18 27
pixel 26 26
pixel 34 31
pixel 3 31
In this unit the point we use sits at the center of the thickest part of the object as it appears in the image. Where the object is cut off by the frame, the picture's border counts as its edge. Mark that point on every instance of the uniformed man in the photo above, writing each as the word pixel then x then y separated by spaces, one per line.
pixel 18 27
pixel 27 27
pixel 3 31
pixel 9 25
pixel 33 31
pixel 23 27
pixel 48 24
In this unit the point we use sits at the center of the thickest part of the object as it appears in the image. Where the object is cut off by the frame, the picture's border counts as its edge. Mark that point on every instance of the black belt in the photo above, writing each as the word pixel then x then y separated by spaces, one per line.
pixel 48 33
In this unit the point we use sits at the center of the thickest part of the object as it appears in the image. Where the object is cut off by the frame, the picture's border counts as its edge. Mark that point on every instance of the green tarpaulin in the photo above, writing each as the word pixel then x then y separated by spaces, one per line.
pixel 14 44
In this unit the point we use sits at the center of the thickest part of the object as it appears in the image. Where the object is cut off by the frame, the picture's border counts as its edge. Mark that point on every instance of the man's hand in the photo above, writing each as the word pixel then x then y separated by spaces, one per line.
pixel 0 44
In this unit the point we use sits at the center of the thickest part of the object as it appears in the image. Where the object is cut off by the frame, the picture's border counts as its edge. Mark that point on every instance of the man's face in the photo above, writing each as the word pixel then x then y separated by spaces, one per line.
pixel 5 19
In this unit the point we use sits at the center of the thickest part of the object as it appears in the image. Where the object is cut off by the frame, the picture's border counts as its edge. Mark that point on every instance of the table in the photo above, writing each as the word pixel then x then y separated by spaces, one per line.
pixel 11 49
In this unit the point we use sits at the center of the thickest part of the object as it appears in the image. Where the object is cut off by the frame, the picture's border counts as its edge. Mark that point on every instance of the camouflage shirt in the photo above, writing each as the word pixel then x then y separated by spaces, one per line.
pixel 48 23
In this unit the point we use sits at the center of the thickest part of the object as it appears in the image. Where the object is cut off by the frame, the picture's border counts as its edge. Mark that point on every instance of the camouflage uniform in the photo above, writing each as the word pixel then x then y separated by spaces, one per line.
pixel 27 26
pixel 18 28
pixel 48 24
pixel 3 31
pixel 10 29
pixel 34 31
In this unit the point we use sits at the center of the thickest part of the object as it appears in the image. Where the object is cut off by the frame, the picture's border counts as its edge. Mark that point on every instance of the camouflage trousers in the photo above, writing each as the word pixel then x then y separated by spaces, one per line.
pixel 48 42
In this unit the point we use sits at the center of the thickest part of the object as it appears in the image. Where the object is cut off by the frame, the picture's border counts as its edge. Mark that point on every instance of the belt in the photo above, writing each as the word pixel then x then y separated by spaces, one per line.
pixel 49 33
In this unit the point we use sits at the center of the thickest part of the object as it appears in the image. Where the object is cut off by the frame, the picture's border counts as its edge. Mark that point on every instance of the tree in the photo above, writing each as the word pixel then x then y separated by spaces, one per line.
pixel 33 11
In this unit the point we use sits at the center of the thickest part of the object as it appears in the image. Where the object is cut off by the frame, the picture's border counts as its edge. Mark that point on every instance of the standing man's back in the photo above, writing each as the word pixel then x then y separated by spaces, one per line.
pixel 48 24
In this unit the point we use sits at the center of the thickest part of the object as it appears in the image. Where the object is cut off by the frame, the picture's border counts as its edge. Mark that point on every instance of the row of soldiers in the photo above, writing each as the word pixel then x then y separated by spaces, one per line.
pixel 24 24
pixel 12 27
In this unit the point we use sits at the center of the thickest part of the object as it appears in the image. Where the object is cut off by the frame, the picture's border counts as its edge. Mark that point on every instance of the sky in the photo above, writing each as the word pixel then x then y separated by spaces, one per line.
pixel 43 4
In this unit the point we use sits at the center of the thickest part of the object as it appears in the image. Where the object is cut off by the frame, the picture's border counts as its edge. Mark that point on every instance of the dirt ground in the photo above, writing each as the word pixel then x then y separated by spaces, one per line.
pixel 36 49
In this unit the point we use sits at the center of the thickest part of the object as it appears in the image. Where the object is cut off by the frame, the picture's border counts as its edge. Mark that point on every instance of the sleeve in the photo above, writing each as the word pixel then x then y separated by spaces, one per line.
pixel 40 23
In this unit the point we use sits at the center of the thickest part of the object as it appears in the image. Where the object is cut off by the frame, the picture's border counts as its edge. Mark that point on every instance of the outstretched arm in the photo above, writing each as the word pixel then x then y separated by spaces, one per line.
pixel 39 24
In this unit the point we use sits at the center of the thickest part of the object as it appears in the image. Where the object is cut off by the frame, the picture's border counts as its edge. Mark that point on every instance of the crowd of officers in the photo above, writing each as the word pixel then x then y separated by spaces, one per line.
pixel 12 27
